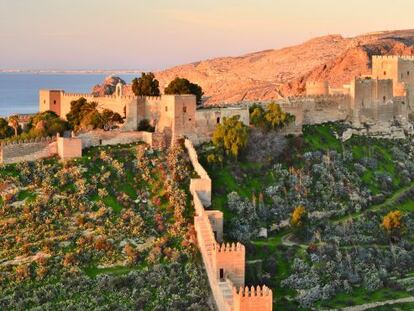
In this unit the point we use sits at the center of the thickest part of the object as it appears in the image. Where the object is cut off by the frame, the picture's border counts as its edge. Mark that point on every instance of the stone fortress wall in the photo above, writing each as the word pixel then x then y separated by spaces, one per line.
pixel 224 262
pixel 30 150
pixel 317 88
pixel 382 97
pixel 39 148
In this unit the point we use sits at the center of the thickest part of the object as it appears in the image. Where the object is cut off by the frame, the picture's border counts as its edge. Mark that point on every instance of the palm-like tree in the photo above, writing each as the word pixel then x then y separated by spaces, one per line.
pixel 14 123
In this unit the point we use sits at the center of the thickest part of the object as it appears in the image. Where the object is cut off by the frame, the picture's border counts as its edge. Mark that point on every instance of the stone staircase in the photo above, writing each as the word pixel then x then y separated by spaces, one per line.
pixel 226 290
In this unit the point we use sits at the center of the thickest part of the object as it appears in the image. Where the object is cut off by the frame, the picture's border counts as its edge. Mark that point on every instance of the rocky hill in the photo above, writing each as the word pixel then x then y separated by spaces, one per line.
pixel 107 87
pixel 273 73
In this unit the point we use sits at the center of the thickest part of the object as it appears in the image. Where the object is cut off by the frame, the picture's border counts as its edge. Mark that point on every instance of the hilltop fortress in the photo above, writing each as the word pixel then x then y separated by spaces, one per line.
pixel 373 104
pixel 175 116
pixel 376 100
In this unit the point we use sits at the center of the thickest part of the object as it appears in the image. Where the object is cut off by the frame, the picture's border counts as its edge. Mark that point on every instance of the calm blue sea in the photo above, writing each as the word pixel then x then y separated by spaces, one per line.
pixel 19 92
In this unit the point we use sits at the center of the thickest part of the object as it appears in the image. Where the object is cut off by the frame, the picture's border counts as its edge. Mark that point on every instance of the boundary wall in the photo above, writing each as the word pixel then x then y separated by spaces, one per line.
pixel 71 147
pixel 103 138
pixel 27 150
pixel 224 263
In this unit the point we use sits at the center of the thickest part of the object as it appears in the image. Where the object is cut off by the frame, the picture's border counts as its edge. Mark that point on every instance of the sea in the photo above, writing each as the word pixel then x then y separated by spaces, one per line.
pixel 19 92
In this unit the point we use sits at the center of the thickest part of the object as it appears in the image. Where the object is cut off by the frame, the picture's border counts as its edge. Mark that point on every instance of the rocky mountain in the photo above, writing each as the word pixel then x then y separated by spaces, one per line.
pixel 107 87
pixel 273 73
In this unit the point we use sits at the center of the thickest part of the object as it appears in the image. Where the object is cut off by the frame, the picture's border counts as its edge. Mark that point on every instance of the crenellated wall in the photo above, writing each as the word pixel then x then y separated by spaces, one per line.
pixel 252 299
pixel 317 88
pixel 40 148
pixel 224 263
pixel 207 119
pixel 102 138
pixel 27 150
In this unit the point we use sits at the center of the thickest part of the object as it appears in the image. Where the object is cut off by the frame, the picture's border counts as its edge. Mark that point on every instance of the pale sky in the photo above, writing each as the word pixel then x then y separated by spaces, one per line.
pixel 155 34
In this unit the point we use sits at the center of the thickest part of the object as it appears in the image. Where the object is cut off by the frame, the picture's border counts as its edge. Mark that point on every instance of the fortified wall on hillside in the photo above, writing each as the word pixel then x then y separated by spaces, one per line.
pixel 176 116
pixel 384 96
pixel 224 262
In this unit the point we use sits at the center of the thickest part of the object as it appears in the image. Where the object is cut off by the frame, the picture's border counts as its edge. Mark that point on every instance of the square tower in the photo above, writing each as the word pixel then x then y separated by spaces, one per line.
pixel 177 115
pixel 50 100
pixel 398 68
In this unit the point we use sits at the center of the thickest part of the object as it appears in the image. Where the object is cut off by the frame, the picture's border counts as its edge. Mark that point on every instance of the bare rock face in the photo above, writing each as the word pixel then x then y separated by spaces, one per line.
pixel 107 87
pixel 274 73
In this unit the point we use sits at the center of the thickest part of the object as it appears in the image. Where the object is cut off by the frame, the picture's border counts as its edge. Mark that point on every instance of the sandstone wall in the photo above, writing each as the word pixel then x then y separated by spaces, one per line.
pixel 316 109
pixel 398 68
pixel 224 263
pixel 206 121
pixel 68 148
pixel 100 137
pixel 60 102
pixel 317 88
pixel 27 151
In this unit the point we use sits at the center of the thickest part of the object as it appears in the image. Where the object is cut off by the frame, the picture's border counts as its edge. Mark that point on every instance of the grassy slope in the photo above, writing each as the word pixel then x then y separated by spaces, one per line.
pixel 251 178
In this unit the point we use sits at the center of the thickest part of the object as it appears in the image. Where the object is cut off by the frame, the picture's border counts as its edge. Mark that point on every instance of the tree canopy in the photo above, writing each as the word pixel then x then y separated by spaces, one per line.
pixel 392 222
pixel 273 117
pixel 46 123
pixel 146 85
pixel 184 86
pixel 84 114
pixel 13 122
pixel 5 129
pixel 231 136
pixel 298 216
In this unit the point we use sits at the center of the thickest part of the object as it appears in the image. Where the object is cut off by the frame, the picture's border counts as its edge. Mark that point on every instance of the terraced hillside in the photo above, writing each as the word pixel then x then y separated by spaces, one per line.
pixel 109 231
pixel 326 224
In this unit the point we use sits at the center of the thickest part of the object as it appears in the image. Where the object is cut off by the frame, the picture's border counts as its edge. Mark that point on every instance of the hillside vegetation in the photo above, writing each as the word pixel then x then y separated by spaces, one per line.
pixel 109 231
pixel 339 217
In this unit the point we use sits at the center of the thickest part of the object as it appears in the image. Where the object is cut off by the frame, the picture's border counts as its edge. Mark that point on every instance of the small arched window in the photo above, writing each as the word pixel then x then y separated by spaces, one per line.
pixel 385 73
pixel 218 120
pixel 54 102
pixel 408 73
pixel 384 98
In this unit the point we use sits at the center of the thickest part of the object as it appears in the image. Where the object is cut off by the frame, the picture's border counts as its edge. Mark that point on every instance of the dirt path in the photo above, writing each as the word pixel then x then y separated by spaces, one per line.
pixel 368 306
pixel 390 200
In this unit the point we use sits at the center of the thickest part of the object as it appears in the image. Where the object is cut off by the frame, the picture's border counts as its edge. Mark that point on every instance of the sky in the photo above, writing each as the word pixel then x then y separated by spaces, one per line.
pixel 157 34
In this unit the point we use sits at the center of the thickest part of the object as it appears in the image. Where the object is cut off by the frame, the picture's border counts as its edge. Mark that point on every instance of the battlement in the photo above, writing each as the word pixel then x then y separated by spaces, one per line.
pixel 79 95
pixel 229 247
pixel 252 299
pixel 392 57
pixel 150 98
pixel 120 97
pixel 317 83
pixel 90 96
pixel 28 141
pixel 259 291
pixel 224 262
pixel 330 96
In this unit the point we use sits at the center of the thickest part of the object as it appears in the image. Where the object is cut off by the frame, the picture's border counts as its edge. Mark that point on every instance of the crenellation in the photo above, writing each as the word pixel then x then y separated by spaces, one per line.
pixel 230 247
pixel 224 262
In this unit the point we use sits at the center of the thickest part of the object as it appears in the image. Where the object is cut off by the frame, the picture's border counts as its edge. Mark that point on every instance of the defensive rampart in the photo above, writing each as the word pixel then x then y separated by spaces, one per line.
pixel 102 138
pixel 224 263
pixel 27 150
pixel 71 147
